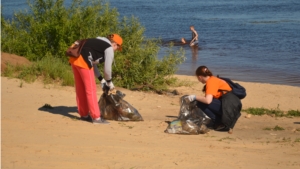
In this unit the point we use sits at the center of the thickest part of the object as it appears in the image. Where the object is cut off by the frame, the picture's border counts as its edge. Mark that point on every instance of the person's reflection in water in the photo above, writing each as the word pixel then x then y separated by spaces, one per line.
pixel 194 50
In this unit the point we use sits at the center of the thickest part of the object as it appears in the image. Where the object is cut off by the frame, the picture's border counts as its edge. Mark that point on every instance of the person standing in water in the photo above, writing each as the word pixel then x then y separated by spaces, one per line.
pixel 194 40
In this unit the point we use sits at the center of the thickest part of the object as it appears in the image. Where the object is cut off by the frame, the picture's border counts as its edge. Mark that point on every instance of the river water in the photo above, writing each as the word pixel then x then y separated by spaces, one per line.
pixel 254 41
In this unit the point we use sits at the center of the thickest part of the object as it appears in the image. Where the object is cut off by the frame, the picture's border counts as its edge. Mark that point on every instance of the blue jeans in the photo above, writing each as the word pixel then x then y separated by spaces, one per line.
pixel 212 110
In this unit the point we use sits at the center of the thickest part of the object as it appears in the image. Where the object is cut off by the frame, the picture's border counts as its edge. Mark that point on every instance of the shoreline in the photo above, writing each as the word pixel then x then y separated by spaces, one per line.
pixel 262 82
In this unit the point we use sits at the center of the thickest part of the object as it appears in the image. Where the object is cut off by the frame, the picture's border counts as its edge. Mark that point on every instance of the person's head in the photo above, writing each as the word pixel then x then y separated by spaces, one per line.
pixel 116 41
pixel 192 28
pixel 203 73
pixel 183 40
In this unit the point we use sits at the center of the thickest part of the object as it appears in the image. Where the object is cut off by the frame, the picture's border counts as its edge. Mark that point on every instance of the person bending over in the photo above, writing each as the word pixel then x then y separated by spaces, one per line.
pixel 210 103
pixel 94 51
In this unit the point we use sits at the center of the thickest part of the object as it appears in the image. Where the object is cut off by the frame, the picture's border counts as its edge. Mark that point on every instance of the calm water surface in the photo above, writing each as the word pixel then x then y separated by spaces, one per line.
pixel 255 41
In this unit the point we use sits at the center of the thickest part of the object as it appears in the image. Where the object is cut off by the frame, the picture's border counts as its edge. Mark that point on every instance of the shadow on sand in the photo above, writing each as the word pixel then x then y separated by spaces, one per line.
pixel 169 121
pixel 61 110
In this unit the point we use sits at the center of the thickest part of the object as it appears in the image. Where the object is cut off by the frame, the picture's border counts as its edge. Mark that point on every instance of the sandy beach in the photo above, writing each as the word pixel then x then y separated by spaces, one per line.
pixel 35 138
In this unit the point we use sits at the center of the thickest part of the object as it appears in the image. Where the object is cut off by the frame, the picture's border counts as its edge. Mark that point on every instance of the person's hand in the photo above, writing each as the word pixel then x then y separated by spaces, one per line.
pixel 103 82
pixel 191 98
pixel 110 85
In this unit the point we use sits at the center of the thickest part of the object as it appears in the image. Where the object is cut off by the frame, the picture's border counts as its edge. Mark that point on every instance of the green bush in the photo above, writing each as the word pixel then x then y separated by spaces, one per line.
pixel 48 28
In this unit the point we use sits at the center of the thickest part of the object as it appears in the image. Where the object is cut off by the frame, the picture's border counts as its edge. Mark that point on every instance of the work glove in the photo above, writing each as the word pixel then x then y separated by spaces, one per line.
pixel 110 85
pixel 191 98
pixel 103 82
pixel 112 89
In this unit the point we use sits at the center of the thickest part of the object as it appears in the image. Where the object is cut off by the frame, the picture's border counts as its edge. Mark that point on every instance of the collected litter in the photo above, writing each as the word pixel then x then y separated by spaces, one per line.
pixel 191 119
pixel 113 107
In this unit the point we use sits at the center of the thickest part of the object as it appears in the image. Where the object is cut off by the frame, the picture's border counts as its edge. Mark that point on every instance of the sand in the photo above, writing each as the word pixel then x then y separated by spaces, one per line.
pixel 35 138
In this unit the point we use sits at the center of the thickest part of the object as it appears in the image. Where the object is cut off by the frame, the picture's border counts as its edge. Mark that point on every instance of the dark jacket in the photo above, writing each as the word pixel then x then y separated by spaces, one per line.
pixel 231 107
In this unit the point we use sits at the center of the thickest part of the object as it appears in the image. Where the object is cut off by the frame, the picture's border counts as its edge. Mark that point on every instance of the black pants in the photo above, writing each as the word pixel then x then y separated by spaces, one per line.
pixel 212 110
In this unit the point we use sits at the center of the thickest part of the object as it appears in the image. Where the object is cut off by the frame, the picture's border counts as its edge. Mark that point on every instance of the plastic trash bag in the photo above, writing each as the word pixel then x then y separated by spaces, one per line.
pixel 113 107
pixel 191 119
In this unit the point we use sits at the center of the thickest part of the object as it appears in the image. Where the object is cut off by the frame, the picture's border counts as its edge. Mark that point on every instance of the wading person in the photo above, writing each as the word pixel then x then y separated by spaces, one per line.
pixel 210 103
pixel 94 51
pixel 194 40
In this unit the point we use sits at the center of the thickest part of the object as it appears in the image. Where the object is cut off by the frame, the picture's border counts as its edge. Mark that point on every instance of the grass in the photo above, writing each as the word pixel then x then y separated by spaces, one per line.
pixel 227 138
pixel 295 113
pixel 272 112
pixel 21 84
pixel 276 128
pixel 49 70
pixel 267 128
pixel 122 124
pixel 286 139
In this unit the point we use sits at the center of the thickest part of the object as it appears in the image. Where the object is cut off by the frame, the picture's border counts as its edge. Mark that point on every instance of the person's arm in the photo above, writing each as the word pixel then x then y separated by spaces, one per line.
pixel 98 75
pixel 109 57
pixel 210 91
pixel 207 99
pixel 97 72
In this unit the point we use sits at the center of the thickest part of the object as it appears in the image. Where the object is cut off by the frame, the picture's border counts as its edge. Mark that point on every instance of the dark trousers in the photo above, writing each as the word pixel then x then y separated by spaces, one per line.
pixel 212 110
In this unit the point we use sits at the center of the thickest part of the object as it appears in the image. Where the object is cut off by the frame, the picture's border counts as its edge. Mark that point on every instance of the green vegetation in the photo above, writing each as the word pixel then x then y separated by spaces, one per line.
pixel 50 69
pixel 295 113
pixel 44 32
pixel 21 84
pixel 267 128
pixel 122 124
pixel 272 112
pixel 276 128
pixel 227 138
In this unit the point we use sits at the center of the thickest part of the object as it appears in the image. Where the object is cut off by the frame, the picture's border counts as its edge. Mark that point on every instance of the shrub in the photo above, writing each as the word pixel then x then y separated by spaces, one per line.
pixel 49 27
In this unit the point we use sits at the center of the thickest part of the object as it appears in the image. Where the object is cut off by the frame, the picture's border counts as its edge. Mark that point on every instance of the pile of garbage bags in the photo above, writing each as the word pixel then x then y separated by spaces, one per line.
pixel 114 107
pixel 191 119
